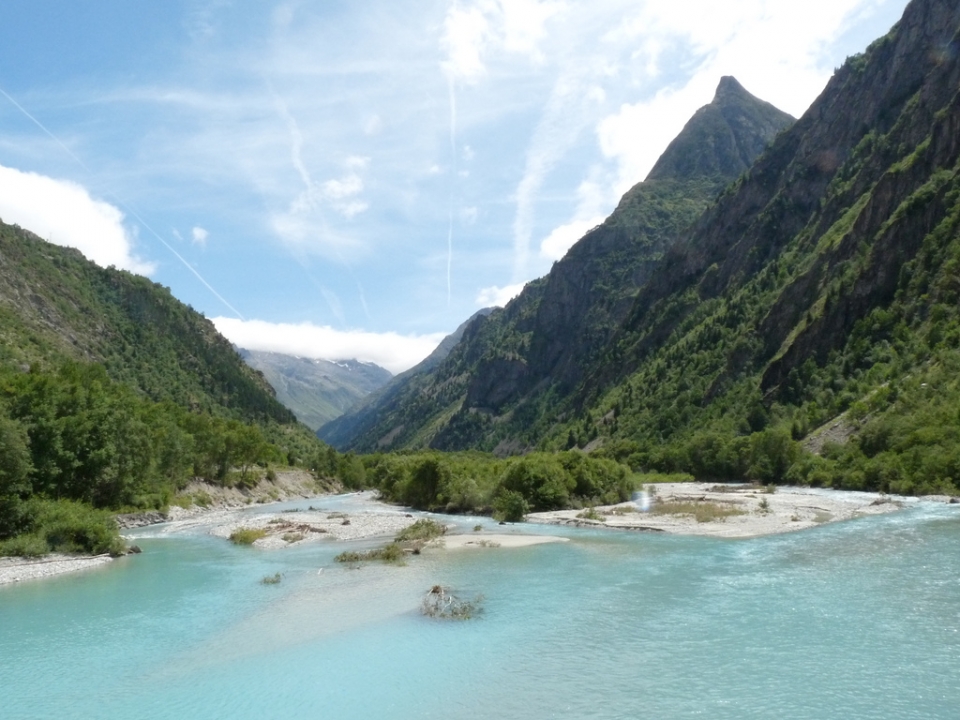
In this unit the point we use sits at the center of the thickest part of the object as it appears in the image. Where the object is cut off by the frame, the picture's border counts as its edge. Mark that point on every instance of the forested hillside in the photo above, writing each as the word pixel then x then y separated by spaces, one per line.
pixel 56 305
pixel 805 328
pixel 113 395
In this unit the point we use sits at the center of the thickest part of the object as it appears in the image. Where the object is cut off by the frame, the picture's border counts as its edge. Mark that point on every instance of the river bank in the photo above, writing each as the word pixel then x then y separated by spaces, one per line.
pixel 198 500
pixel 733 510
pixel 706 509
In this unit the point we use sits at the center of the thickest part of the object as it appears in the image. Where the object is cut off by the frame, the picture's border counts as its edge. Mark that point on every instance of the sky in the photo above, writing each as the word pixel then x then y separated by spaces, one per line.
pixel 338 179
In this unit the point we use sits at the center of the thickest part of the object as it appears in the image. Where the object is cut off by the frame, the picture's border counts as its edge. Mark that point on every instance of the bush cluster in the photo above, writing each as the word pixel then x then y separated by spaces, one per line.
pixel 510 488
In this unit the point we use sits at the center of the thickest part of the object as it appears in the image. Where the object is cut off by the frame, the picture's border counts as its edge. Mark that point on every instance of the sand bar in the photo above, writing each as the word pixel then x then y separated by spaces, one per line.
pixel 480 541
pixel 743 510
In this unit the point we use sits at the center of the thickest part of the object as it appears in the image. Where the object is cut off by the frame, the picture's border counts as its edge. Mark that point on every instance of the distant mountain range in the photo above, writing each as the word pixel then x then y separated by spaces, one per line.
pixel 317 391
pixel 366 412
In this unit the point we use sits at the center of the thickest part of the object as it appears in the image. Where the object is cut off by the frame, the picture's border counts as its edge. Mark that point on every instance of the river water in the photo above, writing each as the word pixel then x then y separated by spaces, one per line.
pixel 851 620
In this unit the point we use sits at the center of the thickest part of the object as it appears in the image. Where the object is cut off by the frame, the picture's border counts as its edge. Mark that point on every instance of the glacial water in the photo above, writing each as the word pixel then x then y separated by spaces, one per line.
pixel 852 620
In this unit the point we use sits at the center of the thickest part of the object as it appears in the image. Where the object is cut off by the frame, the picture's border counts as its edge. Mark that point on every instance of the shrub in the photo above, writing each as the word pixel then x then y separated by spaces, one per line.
pixel 32 545
pixel 510 506
pixel 392 554
pixel 247 536
pixel 422 530
pixel 591 514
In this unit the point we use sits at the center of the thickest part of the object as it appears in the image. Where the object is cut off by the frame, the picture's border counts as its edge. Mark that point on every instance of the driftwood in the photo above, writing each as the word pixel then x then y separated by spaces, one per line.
pixel 440 602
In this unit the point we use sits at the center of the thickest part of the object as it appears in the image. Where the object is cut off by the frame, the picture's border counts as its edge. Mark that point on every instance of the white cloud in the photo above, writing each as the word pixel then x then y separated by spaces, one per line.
pixel 464 37
pixel 510 26
pixel 593 206
pixel 556 244
pixel 199 235
pixel 498 296
pixel 774 49
pixel 523 24
pixel 469 215
pixel 341 193
pixel 391 350
pixel 64 213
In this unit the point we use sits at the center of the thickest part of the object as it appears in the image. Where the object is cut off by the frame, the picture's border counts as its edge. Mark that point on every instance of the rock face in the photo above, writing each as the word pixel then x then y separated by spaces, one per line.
pixel 317 391
pixel 542 341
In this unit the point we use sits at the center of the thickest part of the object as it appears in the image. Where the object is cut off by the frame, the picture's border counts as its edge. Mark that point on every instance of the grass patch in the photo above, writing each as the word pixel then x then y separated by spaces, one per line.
pixel 183 501
pixel 422 530
pixel 247 536
pixel 392 554
pixel 701 511
pixel 591 514
pixel 623 510
pixel 272 579
pixel 293 537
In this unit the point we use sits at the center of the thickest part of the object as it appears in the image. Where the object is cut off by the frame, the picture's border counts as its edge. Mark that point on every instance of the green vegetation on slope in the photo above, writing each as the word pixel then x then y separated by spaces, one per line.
pixel 55 305
pixel 113 395
pixel 73 440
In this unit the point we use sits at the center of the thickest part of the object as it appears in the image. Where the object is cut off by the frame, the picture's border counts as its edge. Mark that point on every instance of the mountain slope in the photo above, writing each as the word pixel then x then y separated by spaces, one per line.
pixel 527 357
pixel 821 288
pixel 317 391
pixel 55 305
pixel 364 416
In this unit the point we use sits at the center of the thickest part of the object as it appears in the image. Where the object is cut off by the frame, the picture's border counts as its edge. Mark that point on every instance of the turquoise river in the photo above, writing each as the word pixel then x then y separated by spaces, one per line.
pixel 859 619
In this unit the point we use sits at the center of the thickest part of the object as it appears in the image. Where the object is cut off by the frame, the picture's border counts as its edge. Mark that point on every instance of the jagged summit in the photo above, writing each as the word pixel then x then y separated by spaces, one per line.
pixel 729 90
pixel 722 138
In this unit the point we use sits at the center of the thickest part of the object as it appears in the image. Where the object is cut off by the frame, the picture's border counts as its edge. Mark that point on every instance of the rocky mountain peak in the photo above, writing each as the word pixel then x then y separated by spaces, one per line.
pixel 730 90
pixel 722 138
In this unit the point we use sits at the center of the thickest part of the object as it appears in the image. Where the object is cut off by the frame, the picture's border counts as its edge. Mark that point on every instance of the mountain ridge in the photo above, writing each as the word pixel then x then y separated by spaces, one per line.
pixel 525 349
pixel 317 390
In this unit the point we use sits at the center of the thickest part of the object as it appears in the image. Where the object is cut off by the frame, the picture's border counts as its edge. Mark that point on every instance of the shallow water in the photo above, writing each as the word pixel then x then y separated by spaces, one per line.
pixel 858 619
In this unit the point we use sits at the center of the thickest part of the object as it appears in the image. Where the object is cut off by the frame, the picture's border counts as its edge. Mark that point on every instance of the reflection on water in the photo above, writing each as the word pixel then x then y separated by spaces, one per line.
pixel 858 619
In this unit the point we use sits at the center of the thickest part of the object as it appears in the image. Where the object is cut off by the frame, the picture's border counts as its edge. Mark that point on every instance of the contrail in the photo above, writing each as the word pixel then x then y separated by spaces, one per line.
pixel 453 159
pixel 129 209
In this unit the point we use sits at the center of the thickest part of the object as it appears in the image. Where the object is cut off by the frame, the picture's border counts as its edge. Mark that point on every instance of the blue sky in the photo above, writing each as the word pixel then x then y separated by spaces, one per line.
pixel 335 179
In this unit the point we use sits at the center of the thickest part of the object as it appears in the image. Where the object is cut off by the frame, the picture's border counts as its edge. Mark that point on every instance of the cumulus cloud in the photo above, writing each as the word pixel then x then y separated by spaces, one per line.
pixel 465 34
pixel 498 296
pixel 472 30
pixel 64 213
pixel 341 193
pixel 391 350
pixel 200 235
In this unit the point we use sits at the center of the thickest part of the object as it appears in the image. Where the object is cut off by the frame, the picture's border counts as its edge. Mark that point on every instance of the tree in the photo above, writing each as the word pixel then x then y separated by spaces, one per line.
pixel 15 485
